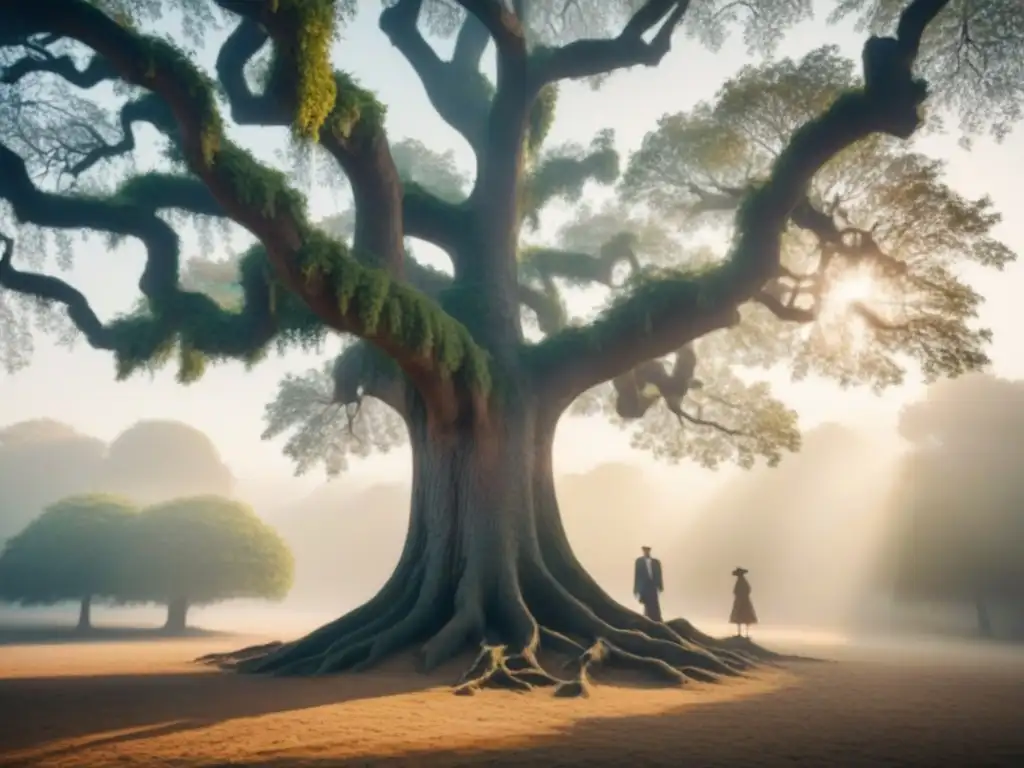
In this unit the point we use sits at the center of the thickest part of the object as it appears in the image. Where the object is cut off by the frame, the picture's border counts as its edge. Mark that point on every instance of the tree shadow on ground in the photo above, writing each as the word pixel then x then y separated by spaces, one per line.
pixel 126 707
pixel 833 715
pixel 48 634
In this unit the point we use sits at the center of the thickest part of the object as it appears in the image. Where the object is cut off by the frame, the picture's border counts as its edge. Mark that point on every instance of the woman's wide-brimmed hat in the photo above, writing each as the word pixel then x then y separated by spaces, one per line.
pixel 740 572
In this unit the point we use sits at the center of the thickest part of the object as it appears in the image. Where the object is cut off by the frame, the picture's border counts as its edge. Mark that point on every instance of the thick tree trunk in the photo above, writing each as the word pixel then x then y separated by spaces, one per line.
pixel 85 614
pixel 984 618
pixel 487 566
pixel 177 615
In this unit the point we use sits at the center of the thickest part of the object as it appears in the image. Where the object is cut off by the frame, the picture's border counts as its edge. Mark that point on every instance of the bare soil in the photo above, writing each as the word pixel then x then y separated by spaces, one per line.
pixel 134 703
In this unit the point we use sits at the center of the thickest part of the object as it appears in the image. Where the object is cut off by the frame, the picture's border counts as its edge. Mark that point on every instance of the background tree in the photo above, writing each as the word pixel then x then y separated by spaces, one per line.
pixel 959 505
pixel 154 461
pixel 450 354
pixel 201 550
pixel 73 551
pixel 42 461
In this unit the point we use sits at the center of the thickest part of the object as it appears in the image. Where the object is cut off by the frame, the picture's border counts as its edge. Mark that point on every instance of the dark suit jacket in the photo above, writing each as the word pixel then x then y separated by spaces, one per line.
pixel 645 584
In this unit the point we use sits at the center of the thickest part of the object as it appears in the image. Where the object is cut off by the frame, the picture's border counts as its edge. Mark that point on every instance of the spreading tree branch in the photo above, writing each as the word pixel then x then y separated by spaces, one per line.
pixel 783 309
pixel 53 289
pixel 96 71
pixel 852 243
pixel 564 175
pixel 358 373
pixel 585 58
pixel 246 107
pixel 457 89
pixel 332 108
pixel 369 167
pixel 499 166
pixel 503 25
pixel 162 191
pixel 639 389
pixel 662 315
pixel 546 305
pixel 194 319
pixel 582 268
pixel 344 294
pixel 685 415
pixel 148 109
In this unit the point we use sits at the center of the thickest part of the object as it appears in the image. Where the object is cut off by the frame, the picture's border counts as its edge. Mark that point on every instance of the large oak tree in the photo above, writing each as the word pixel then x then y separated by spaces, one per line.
pixel 479 391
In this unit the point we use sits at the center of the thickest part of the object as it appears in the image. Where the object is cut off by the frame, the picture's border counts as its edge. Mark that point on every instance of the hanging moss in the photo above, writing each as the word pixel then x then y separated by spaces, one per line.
pixel 648 293
pixel 200 329
pixel 542 117
pixel 259 186
pixel 386 306
pixel 354 106
pixel 140 342
pixel 311 22
pixel 165 57
pixel 191 364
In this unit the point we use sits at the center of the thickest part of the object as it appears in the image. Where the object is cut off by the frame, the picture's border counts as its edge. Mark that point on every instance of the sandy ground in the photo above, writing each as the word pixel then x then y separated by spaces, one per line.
pixel 141 703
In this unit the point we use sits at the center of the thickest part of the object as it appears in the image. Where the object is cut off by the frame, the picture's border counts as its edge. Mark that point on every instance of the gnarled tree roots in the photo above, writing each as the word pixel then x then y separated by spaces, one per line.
pixel 513 634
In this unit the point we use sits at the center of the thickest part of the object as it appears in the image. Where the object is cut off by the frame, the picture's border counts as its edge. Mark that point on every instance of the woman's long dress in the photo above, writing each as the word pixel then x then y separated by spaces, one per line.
pixel 742 607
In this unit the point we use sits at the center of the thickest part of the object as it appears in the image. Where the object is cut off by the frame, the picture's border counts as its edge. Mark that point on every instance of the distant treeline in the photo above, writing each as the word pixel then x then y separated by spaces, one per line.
pixel 190 551
pixel 851 530
pixel 43 460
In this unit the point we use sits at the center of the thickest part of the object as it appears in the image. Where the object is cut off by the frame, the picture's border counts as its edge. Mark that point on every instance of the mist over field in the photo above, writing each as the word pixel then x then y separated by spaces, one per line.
pixel 846 536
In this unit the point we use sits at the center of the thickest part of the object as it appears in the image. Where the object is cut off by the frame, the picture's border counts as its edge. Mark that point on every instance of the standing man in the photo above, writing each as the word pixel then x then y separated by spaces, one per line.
pixel 647 584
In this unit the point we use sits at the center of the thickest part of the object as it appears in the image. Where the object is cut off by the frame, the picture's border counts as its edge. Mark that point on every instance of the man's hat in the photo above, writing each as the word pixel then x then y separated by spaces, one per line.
pixel 645 548
pixel 740 572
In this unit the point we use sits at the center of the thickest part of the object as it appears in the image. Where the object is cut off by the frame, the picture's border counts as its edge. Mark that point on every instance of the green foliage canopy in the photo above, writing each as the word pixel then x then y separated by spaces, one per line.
pixel 891 227
pixel 205 549
pixel 877 213
pixel 73 551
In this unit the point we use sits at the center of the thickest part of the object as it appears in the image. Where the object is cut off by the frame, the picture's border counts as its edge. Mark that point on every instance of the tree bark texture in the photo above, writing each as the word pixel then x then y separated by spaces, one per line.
pixel 85 614
pixel 177 615
pixel 487 567
pixel 983 616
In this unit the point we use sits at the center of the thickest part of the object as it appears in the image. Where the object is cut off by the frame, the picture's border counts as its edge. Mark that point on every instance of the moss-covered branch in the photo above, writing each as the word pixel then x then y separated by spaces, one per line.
pixel 586 58
pixel 581 269
pixel 191 322
pixel 360 147
pixel 563 174
pixel 346 295
pixel 156 191
pixel 427 217
pixel 664 313
pixel 359 371
pixel 457 89
pixel 331 107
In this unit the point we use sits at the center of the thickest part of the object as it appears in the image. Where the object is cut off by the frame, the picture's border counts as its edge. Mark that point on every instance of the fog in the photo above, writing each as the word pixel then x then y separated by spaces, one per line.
pixel 857 533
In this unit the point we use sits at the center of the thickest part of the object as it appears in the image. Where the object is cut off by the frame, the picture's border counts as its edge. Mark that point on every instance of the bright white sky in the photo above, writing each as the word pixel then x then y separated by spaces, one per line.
pixel 78 386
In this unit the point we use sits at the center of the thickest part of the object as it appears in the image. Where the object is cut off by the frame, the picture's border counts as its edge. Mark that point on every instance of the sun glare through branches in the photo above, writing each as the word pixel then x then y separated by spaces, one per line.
pixel 854 288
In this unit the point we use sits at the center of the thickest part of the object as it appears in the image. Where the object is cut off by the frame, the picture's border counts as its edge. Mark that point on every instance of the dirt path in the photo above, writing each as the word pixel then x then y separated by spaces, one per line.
pixel 142 704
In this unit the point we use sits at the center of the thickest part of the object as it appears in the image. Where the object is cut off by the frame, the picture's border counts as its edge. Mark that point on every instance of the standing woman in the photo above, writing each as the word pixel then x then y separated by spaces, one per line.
pixel 742 607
